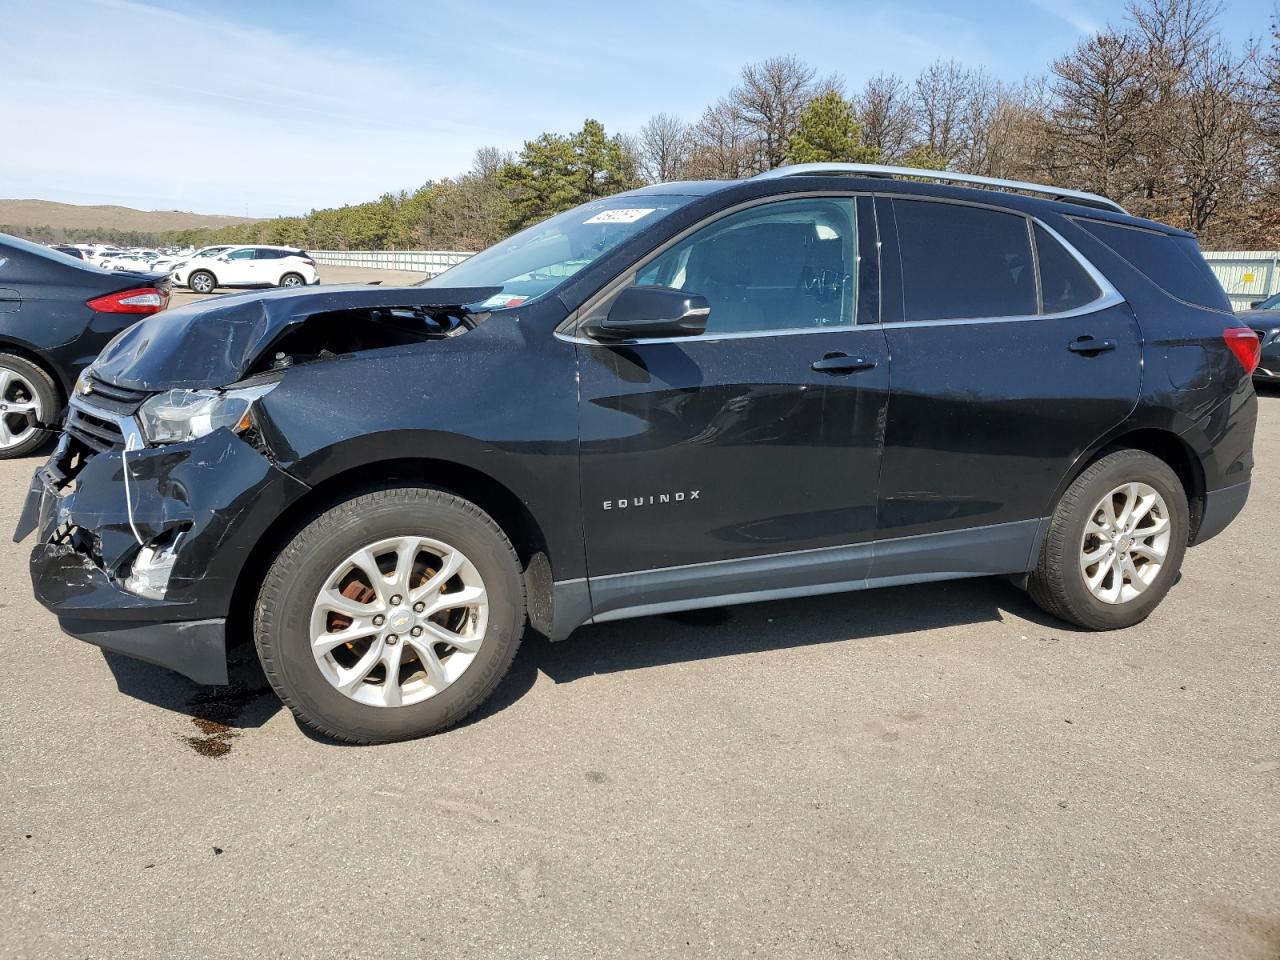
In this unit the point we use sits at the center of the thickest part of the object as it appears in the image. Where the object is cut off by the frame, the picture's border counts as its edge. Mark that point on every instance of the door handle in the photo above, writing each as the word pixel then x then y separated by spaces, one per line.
pixel 841 363
pixel 1089 345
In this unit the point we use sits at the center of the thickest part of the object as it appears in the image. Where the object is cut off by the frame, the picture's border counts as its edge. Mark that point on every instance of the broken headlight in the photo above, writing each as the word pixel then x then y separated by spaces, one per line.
pixel 178 415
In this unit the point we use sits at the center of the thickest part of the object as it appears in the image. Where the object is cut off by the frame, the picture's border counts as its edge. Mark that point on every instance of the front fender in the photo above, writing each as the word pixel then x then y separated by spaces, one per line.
pixel 510 415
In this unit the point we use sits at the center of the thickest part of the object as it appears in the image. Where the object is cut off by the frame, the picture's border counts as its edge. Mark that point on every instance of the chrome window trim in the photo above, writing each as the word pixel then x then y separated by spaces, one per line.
pixel 1109 297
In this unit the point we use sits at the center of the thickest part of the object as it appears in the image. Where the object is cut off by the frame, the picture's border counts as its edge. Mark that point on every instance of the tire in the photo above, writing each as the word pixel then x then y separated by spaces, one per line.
pixel 290 601
pixel 293 280
pixel 27 397
pixel 1060 583
pixel 202 281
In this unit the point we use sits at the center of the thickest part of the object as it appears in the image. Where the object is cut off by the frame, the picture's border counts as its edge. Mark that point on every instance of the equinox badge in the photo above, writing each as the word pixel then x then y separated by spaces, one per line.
pixel 651 500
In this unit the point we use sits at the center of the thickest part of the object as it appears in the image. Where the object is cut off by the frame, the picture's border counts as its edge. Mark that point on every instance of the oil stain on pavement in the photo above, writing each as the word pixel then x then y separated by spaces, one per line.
pixel 215 712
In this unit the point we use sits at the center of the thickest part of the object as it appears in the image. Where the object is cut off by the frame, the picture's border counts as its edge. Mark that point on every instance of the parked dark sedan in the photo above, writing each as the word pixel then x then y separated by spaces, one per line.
pixel 1264 317
pixel 56 313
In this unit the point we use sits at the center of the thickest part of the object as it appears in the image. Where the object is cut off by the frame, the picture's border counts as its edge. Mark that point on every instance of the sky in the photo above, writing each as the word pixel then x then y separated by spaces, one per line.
pixel 267 108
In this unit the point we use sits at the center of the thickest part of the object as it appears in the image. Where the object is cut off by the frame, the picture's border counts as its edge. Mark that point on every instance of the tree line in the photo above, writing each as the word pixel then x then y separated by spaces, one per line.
pixel 1158 111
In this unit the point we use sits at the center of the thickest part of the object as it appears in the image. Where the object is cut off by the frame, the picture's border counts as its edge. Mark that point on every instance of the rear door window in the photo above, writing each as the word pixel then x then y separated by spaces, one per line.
pixel 963 262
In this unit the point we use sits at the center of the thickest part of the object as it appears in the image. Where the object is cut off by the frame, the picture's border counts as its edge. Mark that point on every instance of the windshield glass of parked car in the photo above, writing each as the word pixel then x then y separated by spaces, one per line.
pixel 537 260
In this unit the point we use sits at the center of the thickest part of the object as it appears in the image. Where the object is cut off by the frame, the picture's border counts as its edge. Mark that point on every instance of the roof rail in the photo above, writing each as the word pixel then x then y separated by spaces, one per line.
pixel 943 176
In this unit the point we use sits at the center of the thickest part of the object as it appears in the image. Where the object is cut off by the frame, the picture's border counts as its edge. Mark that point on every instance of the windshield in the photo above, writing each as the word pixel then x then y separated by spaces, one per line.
pixel 537 260
pixel 1271 303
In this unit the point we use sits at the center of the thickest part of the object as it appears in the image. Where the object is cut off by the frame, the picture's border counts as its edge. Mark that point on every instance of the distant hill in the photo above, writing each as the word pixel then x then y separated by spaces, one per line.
pixel 70 217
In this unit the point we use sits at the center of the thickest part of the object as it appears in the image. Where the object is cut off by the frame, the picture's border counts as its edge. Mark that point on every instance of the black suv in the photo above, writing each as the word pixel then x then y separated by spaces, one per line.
pixel 817 380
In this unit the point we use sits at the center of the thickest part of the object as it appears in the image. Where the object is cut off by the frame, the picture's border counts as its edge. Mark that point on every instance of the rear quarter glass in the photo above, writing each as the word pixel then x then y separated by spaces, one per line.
pixel 1174 264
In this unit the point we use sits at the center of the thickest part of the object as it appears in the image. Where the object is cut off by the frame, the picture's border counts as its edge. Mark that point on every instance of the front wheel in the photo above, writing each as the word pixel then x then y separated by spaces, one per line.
pixel 1115 543
pixel 390 616
pixel 202 281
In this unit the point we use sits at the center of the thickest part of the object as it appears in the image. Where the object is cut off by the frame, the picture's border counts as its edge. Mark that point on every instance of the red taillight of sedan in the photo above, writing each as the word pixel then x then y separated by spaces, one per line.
pixel 1244 343
pixel 137 300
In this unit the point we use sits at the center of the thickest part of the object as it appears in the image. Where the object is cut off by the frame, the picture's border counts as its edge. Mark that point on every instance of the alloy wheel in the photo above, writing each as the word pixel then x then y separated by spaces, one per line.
pixel 19 409
pixel 1125 543
pixel 398 621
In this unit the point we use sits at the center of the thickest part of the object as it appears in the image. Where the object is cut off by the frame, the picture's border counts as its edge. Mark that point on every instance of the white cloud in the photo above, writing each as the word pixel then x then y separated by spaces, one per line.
pixel 1072 13
pixel 161 108
pixel 124 101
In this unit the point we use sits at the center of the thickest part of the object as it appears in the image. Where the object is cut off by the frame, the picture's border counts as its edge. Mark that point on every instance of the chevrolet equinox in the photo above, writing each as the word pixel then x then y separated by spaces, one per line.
pixel 825 378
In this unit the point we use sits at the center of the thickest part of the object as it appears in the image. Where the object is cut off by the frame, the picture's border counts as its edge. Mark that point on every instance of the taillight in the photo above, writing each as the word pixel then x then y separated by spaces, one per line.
pixel 137 300
pixel 308 261
pixel 1244 343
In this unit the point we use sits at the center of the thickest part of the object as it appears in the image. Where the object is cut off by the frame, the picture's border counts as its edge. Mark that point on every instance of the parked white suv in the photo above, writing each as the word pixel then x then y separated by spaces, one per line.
pixel 248 266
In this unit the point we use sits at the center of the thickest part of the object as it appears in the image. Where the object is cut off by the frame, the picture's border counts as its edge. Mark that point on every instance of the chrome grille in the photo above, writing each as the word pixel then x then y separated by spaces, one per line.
pixel 122 401
pixel 98 433
pixel 100 416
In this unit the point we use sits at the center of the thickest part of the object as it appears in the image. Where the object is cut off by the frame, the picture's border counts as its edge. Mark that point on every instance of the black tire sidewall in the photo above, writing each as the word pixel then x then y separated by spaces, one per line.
pixel 213 281
pixel 47 394
pixel 295 581
pixel 1135 468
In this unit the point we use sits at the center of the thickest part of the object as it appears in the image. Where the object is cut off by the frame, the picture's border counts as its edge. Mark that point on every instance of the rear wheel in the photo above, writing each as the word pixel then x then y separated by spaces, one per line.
pixel 390 616
pixel 27 398
pixel 202 281
pixel 292 280
pixel 1115 543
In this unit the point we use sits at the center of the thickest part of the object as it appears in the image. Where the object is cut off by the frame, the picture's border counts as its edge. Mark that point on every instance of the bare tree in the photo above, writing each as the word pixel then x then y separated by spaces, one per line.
pixel 769 100
pixel 941 93
pixel 884 111
pixel 723 148
pixel 665 144
pixel 1097 113
pixel 1212 147
pixel 1173 38
pixel 489 161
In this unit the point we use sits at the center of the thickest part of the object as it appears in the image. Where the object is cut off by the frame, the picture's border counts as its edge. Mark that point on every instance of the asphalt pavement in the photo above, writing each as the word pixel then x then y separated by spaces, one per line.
pixel 918 772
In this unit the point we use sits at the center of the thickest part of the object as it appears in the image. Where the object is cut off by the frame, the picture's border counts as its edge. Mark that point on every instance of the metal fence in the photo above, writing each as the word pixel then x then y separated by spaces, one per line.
pixel 1246 275
pixel 429 262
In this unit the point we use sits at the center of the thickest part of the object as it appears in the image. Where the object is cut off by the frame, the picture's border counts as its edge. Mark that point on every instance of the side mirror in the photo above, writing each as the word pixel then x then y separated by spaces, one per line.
pixel 224 259
pixel 641 313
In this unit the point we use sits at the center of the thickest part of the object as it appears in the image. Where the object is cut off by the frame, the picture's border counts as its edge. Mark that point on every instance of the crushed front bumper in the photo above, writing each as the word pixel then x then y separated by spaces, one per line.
pixel 211 499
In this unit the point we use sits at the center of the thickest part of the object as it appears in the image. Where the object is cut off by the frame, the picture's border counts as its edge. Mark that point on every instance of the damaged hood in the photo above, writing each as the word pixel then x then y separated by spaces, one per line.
pixel 214 342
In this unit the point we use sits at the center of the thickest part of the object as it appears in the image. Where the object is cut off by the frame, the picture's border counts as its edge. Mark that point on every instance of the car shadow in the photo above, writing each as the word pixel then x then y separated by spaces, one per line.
pixel 245 703
pixel 248 702
pixel 763 627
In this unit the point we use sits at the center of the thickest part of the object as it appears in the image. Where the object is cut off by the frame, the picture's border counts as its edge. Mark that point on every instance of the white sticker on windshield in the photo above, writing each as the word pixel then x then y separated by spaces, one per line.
pixel 630 215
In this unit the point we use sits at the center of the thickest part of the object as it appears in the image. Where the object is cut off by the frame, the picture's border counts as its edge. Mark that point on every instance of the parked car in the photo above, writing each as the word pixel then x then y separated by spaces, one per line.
pixel 70 251
pixel 56 313
pixel 179 274
pixel 826 378
pixel 248 266
pixel 1263 317
pixel 103 255
pixel 145 261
